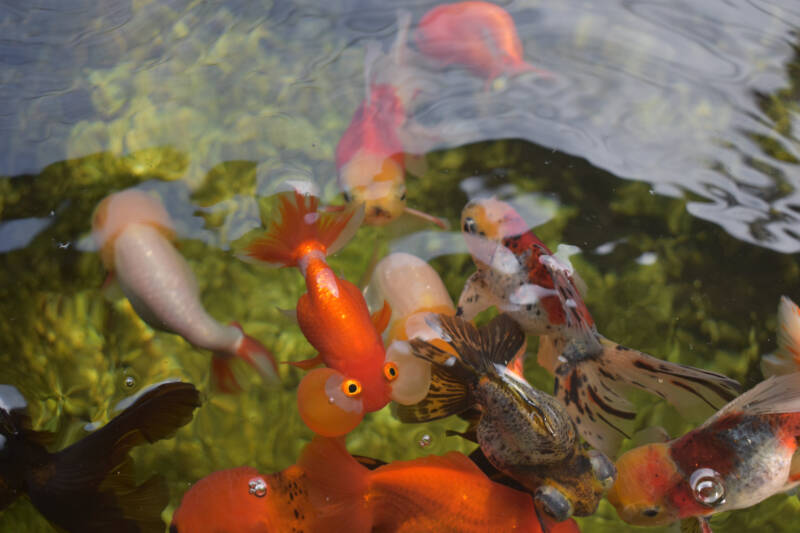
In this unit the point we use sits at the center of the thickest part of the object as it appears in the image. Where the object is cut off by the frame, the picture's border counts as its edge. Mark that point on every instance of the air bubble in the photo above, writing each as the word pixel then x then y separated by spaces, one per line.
pixel 130 382
pixel 424 440
pixel 258 487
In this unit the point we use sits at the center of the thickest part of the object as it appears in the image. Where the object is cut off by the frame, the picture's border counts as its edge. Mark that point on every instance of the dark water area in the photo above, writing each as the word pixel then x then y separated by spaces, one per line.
pixel 662 151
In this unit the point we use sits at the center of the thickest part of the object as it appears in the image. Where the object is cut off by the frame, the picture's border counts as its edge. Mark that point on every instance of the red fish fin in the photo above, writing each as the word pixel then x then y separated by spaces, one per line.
pixel 380 319
pixel 338 487
pixel 257 356
pixel 307 364
pixel 786 358
pixel 301 223
pixel 442 223
pixel 223 378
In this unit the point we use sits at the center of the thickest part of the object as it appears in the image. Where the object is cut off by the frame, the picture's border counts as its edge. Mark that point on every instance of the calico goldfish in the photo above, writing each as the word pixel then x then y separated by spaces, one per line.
pixel 370 156
pixel 477 35
pixel 89 486
pixel 519 275
pixel 134 233
pixel 786 358
pixel 524 433
pixel 745 453
pixel 332 315
pixel 328 489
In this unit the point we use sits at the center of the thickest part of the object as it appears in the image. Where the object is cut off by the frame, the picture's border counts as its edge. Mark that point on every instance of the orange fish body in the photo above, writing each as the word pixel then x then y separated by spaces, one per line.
pixel 332 315
pixel 478 35
pixel 328 488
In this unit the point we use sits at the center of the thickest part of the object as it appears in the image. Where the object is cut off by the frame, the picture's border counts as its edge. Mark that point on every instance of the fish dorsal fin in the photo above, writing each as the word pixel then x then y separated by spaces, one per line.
pixel 786 358
pixel 774 395
pixel 496 343
pixel 446 396
pixel 576 313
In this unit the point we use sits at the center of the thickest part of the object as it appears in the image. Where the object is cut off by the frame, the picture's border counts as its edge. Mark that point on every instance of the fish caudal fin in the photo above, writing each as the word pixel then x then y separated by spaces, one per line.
pixel 338 486
pixel 594 389
pixel 786 358
pixel 227 377
pixel 256 355
pixel 302 228
pixel 96 474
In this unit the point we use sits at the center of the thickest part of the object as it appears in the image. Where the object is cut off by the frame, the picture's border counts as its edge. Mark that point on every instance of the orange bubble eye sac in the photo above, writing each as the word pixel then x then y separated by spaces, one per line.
pixel 351 388
pixel 390 371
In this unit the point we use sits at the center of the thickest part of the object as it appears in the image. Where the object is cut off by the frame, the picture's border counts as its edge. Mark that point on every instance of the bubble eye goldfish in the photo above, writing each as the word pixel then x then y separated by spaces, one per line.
pixel 520 276
pixel 478 35
pixel 332 315
pixel 742 455
pixel 134 233
pixel 88 487
pixel 328 487
pixel 523 432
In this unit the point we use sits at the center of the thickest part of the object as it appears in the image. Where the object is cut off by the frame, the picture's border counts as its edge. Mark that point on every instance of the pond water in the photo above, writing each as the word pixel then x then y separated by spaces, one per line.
pixel 663 146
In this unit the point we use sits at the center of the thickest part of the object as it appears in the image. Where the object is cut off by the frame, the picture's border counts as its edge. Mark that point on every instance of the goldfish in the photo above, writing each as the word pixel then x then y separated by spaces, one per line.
pixel 740 456
pixel 328 488
pixel 332 315
pixel 370 156
pixel 477 35
pixel 519 275
pixel 523 432
pixel 787 357
pixel 134 234
pixel 89 486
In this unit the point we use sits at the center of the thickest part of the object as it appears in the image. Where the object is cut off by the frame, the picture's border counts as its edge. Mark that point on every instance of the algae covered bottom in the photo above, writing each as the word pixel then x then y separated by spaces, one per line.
pixel 664 149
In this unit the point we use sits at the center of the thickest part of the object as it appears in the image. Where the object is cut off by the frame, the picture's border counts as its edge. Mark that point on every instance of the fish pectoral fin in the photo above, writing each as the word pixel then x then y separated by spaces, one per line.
pixel 446 396
pixel 306 364
pixel 380 318
pixel 475 297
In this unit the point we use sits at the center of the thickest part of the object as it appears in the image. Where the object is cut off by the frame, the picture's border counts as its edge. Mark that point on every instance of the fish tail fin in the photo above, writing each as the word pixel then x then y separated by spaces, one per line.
pixel 96 473
pixel 594 389
pixel 256 355
pixel 338 484
pixel 468 354
pixel 786 358
pixel 302 227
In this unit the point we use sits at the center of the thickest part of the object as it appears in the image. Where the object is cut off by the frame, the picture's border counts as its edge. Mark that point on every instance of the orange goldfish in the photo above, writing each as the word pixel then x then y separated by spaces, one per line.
pixel 519 275
pixel 370 156
pixel 742 455
pixel 333 317
pixel 328 490
pixel 478 35
pixel 787 357
pixel 134 233
pixel 89 487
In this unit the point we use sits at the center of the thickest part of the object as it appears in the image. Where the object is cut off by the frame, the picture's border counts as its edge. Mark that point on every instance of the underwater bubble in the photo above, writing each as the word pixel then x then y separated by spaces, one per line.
pixel 130 382
pixel 425 440
pixel 707 486
pixel 257 487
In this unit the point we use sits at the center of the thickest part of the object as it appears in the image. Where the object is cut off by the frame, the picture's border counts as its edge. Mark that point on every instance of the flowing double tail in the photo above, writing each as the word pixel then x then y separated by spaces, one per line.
pixel 249 350
pixel 96 476
pixel 302 230
pixel 593 387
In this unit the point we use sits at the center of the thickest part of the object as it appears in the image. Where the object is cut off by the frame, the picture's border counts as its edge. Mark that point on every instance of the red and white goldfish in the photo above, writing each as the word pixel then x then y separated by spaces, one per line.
pixel 523 432
pixel 134 233
pixel 786 358
pixel 742 455
pixel 328 489
pixel 332 315
pixel 414 291
pixel 371 157
pixel 87 487
pixel 477 35
pixel 519 275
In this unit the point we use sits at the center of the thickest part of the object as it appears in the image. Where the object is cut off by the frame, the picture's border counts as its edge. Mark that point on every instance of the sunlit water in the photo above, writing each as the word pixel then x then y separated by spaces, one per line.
pixel 663 147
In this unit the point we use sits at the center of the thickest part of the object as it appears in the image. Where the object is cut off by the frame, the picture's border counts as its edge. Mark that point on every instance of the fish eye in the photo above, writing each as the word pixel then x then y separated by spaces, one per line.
pixel 707 486
pixel 469 225
pixel 347 196
pixel 351 387
pixel 390 371
pixel 650 512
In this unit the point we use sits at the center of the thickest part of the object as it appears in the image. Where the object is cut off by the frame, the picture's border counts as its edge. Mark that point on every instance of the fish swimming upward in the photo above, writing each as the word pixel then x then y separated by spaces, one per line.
pixel 786 358
pixel 90 487
pixel 524 433
pixel 134 233
pixel 328 489
pixel 332 315
pixel 477 35
pixel 742 455
pixel 519 275
pixel 371 155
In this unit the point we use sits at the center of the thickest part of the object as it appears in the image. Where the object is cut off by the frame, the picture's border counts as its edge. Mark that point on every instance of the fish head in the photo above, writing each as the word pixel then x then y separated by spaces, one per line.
pixel 646 478
pixel 485 223
pixel 330 403
pixel 376 181
pixel 121 209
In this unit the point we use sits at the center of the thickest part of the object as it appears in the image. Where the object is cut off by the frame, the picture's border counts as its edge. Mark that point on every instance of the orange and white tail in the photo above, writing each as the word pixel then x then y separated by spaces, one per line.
pixel 251 352
pixel 593 388
pixel 786 358
pixel 303 228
